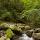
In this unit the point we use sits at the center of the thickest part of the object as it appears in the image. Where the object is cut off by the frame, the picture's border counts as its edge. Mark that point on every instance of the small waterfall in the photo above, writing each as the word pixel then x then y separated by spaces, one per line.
pixel 25 37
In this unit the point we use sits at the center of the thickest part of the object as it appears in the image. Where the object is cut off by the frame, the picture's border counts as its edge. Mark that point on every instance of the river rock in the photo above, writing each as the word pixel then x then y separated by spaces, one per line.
pixel 36 36
pixel 18 26
pixel 37 30
pixel 2 38
pixel 2 33
pixel 29 32
pixel 15 37
pixel 27 27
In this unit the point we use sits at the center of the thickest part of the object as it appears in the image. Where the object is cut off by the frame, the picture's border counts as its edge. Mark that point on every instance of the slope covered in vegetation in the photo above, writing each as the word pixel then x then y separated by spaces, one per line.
pixel 26 12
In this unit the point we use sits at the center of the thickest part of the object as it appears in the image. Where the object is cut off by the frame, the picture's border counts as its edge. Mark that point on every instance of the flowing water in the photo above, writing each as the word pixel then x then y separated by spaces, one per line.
pixel 25 37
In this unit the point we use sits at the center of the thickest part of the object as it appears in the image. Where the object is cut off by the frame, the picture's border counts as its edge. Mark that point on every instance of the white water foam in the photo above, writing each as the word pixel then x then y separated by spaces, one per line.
pixel 25 37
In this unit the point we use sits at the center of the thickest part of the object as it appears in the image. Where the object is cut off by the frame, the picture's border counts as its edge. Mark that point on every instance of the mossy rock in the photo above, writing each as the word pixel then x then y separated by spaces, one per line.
pixel 9 33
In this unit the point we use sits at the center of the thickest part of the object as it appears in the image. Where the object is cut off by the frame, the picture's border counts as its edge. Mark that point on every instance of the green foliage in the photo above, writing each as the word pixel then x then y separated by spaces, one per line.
pixel 31 4
pixel 4 14
pixel 32 16
pixel 25 11
pixel 20 10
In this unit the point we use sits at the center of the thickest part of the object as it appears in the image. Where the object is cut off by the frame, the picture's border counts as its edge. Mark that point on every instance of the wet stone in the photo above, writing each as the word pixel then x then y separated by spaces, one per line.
pixel 2 33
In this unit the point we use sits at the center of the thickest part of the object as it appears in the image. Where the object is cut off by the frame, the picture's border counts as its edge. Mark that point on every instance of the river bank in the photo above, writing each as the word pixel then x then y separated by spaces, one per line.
pixel 15 31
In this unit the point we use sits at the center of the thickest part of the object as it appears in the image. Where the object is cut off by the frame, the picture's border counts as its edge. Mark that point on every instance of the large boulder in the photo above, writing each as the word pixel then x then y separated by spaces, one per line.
pixel 37 30
pixel 29 32
pixel 36 36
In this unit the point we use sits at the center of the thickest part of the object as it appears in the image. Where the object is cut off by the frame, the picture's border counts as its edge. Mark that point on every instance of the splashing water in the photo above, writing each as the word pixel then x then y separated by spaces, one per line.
pixel 25 37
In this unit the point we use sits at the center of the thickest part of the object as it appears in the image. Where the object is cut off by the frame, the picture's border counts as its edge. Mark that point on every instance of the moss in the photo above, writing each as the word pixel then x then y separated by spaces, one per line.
pixel 8 39
pixel 9 33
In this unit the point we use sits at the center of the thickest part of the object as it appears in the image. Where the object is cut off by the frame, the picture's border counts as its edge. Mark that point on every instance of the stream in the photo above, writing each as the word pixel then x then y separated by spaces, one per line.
pixel 22 37
pixel 25 37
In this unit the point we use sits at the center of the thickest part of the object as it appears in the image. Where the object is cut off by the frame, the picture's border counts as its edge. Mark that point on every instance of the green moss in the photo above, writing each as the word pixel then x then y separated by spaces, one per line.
pixel 8 39
pixel 9 33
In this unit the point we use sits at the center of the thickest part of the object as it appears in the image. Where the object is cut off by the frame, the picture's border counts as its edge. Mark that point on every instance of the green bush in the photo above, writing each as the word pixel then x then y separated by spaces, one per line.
pixel 31 4
pixel 32 16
